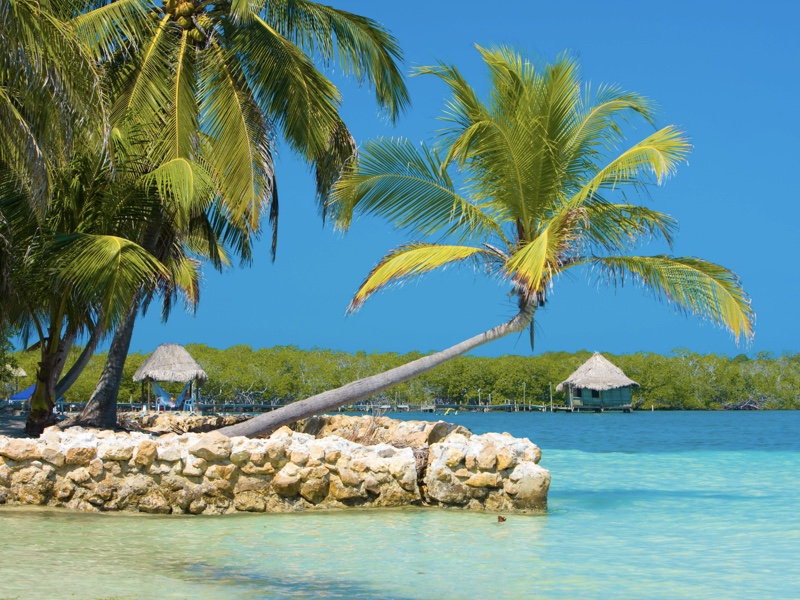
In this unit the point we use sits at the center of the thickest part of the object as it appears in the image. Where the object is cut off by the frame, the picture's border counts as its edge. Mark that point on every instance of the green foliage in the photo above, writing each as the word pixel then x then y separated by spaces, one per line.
pixel 681 381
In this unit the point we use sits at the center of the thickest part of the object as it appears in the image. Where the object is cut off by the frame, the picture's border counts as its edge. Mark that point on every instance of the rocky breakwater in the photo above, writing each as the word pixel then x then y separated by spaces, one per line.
pixel 209 473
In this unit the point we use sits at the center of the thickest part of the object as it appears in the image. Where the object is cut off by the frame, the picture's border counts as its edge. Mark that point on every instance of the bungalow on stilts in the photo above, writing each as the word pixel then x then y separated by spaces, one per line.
pixel 598 385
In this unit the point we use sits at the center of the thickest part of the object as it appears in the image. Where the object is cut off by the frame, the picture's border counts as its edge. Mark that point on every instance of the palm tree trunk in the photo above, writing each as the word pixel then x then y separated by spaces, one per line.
pixel 42 401
pixel 368 386
pixel 54 356
pixel 101 410
pixel 86 355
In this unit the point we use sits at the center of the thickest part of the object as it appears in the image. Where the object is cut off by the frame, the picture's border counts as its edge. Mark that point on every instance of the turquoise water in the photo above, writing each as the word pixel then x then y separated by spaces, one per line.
pixel 647 505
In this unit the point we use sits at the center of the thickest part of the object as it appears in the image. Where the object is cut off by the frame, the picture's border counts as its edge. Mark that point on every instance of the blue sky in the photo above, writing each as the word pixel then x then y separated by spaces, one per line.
pixel 726 72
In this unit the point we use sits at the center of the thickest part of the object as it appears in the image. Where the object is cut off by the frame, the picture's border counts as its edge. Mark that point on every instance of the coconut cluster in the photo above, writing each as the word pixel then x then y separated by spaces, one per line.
pixel 191 18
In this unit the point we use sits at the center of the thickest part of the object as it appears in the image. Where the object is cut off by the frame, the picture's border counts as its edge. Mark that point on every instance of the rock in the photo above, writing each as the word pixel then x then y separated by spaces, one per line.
pixel 487 458
pixel 145 453
pixel 5 476
pixel 286 484
pixel 63 490
pixel 195 467
pixel 447 492
pixel 532 484
pixel 349 477
pixel 154 503
pixel 21 450
pixel 240 456
pixel 250 501
pixel 53 455
pixel 80 475
pixel 80 455
pixel 168 452
pixel 315 489
pixel 486 480
pixel 339 491
pixel 453 456
pixel 212 446
pixel 225 472
pixel 292 470
pixel 253 469
pixel 119 449
pixel 250 484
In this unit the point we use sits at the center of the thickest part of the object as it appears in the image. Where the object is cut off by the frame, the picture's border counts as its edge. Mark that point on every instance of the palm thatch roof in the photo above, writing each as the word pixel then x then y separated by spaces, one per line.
pixel 597 373
pixel 170 362
pixel 16 372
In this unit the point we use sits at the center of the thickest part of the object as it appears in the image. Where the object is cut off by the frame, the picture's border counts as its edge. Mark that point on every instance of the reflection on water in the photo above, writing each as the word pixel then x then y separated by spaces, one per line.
pixel 714 520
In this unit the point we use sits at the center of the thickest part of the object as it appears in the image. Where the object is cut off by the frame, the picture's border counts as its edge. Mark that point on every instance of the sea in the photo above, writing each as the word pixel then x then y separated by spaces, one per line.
pixel 641 505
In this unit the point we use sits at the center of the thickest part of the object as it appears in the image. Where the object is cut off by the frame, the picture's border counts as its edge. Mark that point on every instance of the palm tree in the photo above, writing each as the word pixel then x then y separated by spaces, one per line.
pixel 540 162
pixel 76 267
pixel 212 84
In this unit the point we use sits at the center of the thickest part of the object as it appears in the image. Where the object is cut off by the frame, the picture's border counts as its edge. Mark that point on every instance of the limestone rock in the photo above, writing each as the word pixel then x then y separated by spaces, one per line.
pixel 21 450
pixel 315 489
pixel 212 446
pixel 195 467
pixel 53 455
pixel 119 449
pixel 250 501
pixel 286 484
pixel 154 503
pixel 145 453
pixel 209 473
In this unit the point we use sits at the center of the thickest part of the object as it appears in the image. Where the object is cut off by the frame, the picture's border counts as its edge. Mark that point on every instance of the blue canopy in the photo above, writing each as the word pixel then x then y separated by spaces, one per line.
pixel 23 395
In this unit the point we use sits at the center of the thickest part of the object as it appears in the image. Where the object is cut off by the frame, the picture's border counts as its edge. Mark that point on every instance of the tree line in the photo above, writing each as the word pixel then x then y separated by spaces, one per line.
pixel 683 380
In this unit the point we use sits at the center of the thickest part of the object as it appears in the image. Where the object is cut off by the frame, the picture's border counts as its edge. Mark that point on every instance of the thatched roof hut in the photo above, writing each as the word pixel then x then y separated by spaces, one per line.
pixel 170 362
pixel 597 373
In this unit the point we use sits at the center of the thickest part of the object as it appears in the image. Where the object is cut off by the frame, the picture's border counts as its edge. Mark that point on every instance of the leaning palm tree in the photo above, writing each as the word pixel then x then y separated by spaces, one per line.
pixel 540 163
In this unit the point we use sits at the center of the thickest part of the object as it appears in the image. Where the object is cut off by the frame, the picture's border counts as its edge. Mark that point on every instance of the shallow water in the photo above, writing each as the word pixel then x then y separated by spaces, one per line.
pixel 655 505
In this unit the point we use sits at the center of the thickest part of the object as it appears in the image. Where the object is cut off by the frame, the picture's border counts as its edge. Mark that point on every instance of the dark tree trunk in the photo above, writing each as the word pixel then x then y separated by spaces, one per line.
pixel 63 352
pixel 369 386
pixel 101 410
pixel 86 355
pixel 40 415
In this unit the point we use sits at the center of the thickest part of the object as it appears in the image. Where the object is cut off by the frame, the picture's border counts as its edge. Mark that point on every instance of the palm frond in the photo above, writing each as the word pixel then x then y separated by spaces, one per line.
pixel 409 186
pixel 143 87
pixel 363 47
pixel 184 187
pixel 287 86
pixel 105 269
pixel 616 227
pixel 533 266
pixel 409 261
pixel 696 286
pixel 118 25
pixel 658 154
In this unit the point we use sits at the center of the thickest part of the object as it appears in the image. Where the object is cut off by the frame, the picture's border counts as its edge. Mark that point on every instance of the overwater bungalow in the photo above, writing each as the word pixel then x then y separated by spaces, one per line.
pixel 598 385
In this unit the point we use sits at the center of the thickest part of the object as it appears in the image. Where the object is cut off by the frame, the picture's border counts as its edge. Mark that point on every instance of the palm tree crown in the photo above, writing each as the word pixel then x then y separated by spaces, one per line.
pixel 542 164
pixel 214 83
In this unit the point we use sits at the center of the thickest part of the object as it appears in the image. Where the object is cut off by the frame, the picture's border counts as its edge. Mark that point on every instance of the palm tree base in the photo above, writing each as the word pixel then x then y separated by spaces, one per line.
pixel 39 420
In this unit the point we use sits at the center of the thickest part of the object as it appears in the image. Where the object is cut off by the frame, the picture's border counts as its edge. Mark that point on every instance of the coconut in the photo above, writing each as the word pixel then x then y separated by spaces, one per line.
pixel 186 23
pixel 185 9
pixel 196 36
